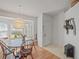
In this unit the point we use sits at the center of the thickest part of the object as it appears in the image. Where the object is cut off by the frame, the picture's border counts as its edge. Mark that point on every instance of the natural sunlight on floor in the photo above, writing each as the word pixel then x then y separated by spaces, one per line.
pixel 59 51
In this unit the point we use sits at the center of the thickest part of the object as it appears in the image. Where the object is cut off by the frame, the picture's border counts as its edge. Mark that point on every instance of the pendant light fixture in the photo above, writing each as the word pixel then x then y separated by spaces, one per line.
pixel 19 22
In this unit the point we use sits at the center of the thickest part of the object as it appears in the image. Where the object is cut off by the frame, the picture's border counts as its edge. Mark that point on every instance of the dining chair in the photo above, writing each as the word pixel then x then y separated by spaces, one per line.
pixel 5 50
pixel 16 53
pixel 26 49
pixel 35 42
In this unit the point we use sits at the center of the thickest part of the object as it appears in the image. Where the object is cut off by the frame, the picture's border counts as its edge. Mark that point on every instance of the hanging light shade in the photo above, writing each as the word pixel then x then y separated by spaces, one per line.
pixel 19 23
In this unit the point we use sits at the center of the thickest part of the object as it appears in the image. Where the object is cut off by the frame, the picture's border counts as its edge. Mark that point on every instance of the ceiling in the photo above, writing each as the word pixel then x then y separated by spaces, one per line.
pixel 33 7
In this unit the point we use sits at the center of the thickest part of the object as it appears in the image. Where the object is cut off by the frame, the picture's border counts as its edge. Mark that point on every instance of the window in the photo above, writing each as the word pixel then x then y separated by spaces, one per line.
pixel 28 30
pixel 15 33
pixel 3 30
pixel 8 31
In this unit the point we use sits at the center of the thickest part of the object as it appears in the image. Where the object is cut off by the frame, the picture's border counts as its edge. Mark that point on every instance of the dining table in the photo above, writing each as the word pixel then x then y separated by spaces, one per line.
pixel 15 43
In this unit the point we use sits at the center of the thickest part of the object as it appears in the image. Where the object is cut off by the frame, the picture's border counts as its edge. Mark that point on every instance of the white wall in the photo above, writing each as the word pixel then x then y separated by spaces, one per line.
pixel 71 38
pixel 53 29
pixel 40 30
pixel 58 29
pixel 32 7
pixel 47 30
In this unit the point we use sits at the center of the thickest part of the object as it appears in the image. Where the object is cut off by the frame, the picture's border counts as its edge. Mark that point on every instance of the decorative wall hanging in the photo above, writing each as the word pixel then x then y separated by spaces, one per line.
pixel 70 25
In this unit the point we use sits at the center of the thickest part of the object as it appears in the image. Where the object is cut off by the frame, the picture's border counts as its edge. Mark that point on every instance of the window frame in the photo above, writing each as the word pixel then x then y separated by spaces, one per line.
pixel 8 21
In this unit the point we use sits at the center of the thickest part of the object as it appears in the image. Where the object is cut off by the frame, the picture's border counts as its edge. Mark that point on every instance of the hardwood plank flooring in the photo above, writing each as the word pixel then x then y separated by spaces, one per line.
pixel 41 53
pixel 73 2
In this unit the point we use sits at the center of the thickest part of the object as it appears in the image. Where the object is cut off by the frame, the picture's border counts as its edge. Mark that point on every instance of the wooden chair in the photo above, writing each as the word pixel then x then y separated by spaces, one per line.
pixel 16 53
pixel 35 43
pixel 26 49
pixel 5 50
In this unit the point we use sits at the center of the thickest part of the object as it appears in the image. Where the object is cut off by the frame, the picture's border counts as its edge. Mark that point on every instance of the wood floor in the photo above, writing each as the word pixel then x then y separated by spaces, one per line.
pixel 41 53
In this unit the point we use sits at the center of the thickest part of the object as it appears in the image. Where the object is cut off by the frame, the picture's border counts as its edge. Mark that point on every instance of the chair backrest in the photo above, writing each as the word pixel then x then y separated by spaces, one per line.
pixel 4 51
pixel 26 49
pixel 5 47
pixel 27 45
pixel 1 52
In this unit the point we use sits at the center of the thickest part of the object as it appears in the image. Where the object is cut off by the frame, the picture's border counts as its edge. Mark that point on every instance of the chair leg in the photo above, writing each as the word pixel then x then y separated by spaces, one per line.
pixel 4 57
pixel 31 55
pixel 34 45
pixel 26 57
pixel 21 57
